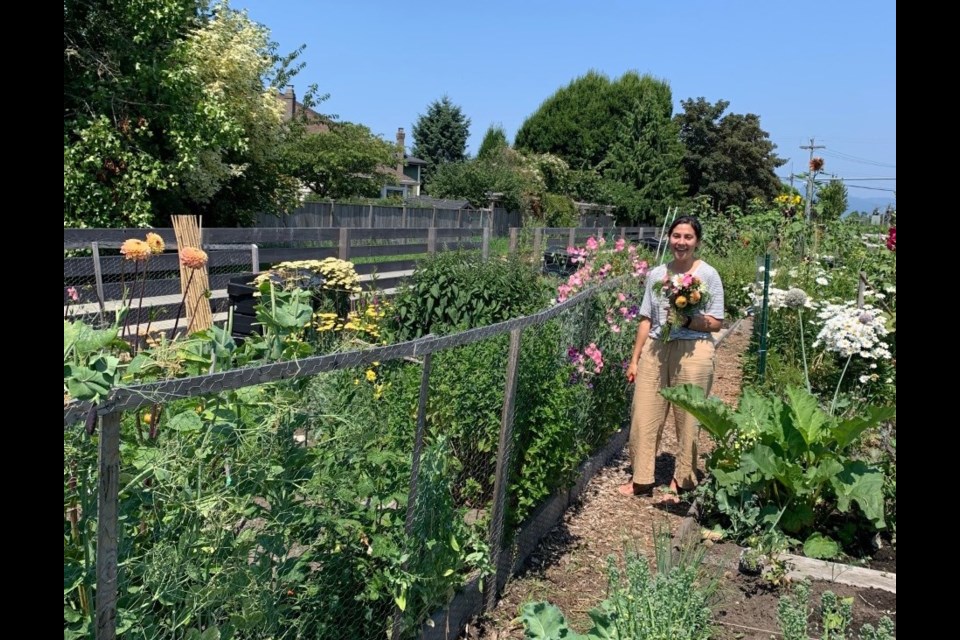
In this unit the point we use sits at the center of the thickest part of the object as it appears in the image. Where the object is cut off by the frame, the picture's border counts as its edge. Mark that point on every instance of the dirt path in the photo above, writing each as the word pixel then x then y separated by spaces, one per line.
pixel 568 568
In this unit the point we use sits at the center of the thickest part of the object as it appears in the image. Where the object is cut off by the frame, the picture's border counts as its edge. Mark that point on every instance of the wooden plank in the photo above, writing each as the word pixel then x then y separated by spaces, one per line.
pixel 107 526
pixel 290 235
pixel 389 234
pixel 81 238
pixel 801 567
pixel 84 267
pixel 385 267
pixel 387 250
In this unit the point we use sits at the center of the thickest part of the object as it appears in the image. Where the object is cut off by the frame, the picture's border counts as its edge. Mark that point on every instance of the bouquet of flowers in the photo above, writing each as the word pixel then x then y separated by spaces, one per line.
pixel 686 294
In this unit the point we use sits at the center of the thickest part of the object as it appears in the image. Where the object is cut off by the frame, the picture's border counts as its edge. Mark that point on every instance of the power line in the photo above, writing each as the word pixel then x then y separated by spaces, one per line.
pixel 852 158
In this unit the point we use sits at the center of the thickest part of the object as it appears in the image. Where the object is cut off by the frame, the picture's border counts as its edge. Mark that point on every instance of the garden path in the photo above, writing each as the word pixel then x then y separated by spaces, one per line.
pixel 569 566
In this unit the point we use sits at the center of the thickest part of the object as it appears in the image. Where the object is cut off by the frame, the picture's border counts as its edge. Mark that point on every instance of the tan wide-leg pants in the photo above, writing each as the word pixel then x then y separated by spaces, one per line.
pixel 661 365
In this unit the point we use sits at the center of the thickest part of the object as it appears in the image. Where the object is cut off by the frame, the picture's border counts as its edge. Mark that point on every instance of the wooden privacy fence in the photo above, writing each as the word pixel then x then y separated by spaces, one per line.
pixel 383 258
pixel 120 400
pixel 337 214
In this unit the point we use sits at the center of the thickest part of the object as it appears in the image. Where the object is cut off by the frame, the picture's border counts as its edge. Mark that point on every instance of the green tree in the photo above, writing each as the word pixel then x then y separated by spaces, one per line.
pixel 494 142
pixel 580 122
pixel 728 158
pixel 343 162
pixel 166 111
pixel 647 156
pixel 476 179
pixel 440 136
pixel 832 200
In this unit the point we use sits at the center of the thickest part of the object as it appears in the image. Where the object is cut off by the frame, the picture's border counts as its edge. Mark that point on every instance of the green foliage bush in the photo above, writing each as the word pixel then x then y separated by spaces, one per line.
pixel 453 291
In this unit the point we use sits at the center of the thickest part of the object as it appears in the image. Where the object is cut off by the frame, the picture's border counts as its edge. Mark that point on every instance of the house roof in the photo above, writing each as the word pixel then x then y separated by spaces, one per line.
pixel 440 203
pixel 411 160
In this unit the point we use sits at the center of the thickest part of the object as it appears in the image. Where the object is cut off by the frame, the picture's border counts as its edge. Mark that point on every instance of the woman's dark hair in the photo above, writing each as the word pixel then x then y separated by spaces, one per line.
pixel 690 220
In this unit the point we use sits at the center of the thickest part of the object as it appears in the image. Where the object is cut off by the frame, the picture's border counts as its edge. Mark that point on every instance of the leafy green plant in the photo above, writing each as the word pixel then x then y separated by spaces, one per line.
pixel 787 458
pixel 793 611
pixel 455 290
pixel 671 605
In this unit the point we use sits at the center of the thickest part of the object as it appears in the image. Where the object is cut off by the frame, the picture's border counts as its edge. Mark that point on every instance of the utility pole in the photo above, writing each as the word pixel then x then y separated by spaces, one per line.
pixel 811 147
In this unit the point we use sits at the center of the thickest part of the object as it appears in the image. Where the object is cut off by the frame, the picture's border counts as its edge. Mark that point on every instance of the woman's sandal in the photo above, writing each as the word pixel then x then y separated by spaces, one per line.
pixel 634 489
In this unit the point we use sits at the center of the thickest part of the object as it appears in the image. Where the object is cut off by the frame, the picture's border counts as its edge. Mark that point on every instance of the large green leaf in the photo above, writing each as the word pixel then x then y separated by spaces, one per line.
pixel 847 432
pixel 808 418
pixel 764 460
pixel 713 414
pixel 544 621
pixel 797 516
pixel 863 484
pixel 91 382
pixel 820 546
pixel 186 421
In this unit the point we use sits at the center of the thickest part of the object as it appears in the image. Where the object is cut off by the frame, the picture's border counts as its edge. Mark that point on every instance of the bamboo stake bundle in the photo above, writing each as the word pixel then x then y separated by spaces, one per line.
pixel 194 283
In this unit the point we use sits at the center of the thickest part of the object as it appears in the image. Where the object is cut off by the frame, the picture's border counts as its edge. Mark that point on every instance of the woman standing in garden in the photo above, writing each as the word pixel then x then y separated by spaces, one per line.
pixel 682 306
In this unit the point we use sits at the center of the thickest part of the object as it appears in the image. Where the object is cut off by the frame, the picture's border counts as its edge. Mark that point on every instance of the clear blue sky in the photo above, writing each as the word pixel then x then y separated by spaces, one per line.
pixel 823 71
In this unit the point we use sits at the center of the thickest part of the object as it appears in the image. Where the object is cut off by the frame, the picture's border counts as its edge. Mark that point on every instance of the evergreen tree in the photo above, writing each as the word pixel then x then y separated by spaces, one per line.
pixel 440 135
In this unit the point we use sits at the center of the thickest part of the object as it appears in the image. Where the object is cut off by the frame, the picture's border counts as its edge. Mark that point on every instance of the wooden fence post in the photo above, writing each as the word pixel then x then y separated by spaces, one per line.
pixel 485 246
pixel 513 240
pixel 403 216
pixel 109 485
pixel 433 218
pixel 503 468
pixel 572 241
pixel 344 243
pixel 370 218
pixel 459 217
pixel 432 240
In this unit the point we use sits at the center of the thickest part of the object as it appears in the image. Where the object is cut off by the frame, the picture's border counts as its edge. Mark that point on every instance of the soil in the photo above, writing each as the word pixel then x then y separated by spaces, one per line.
pixel 569 567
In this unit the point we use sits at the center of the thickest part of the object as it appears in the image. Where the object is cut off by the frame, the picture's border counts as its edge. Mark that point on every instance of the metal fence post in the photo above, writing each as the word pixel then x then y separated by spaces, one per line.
pixel 109 484
pixel 344 243
pixel 513 240
pixel 485 250
pixel 762 352
pixel 98 275
pixel 414 474
pixel 503 468
pixel 255 258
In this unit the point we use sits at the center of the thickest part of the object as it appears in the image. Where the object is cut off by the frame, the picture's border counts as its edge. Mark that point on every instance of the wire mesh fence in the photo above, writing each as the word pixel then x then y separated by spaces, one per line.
pixel 340 495
pixel 99 282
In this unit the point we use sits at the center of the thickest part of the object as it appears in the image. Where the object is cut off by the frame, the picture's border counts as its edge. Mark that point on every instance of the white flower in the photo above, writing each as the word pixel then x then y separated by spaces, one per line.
pixel 822 281
pixel 850 331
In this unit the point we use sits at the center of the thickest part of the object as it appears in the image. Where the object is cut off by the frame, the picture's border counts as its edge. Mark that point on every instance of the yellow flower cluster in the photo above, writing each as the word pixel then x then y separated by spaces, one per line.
pixel 338 275
pixel 788 200
pixel 367 322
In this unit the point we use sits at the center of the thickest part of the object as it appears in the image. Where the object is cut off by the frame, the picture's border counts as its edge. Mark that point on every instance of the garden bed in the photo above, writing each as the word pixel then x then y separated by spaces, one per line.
pixel 745 607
